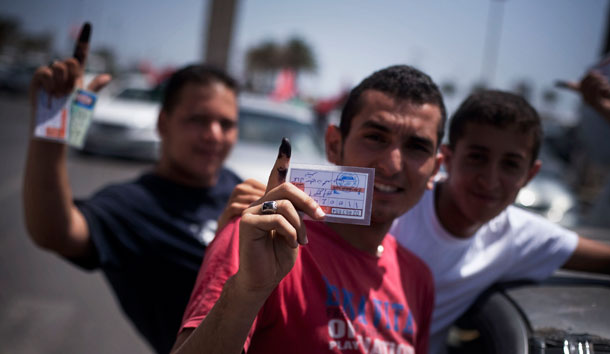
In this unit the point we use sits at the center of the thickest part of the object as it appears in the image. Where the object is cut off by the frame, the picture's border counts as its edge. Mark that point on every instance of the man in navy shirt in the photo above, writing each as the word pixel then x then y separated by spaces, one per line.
pixel 148 236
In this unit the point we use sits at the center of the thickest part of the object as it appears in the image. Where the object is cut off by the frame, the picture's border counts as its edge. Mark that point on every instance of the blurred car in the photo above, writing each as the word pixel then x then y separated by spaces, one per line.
pixel 262 124
pixel 16 79
pixel 125 126
pixel 568 314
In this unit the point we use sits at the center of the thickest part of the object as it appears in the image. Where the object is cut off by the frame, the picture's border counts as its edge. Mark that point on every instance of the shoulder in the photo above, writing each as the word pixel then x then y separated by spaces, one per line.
pixel 407 259
pixel 227 180
pixel 419 215
pixel 230 176
pixel 521 220
pixel 527 228
pixel 122 191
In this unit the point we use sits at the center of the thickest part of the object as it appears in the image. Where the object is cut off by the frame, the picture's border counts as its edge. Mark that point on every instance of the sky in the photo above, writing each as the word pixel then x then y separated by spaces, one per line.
pixel 537 40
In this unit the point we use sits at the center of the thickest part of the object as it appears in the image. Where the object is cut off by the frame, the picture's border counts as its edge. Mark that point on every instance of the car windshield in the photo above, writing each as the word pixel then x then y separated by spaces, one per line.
pixel 263 128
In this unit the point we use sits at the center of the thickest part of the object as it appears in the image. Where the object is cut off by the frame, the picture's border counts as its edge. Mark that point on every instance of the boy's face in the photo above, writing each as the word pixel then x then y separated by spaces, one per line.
pixel 399 140
pixel 486 170
pixel 199 132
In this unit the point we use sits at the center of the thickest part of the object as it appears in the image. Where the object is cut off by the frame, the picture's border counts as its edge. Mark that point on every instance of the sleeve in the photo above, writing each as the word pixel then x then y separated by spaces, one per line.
pixel 105 216
pixel 540 248
pixel 101 248
pixel 221 261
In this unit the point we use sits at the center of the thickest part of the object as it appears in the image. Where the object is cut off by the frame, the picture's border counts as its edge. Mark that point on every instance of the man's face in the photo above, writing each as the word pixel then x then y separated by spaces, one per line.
pixel 198 134
pixel 487 169
pixel 399 140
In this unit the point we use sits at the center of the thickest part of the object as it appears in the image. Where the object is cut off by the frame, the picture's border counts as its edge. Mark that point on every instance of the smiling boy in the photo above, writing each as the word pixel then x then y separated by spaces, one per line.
pixel 466 229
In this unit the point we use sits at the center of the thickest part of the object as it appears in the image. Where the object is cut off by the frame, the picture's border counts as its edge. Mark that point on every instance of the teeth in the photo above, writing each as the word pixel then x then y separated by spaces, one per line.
pixel 385 188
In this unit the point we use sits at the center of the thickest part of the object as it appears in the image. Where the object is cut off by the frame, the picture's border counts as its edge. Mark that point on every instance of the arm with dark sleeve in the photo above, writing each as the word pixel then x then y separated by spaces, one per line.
pixel 590 256
pixel 52 220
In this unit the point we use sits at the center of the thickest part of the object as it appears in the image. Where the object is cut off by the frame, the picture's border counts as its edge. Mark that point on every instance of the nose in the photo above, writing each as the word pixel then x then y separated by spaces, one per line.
pixel 391 162
pixel 212 131
pixel 489 176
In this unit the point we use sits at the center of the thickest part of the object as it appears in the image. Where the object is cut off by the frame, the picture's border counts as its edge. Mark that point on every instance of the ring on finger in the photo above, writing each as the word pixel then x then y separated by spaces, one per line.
pixel 269 207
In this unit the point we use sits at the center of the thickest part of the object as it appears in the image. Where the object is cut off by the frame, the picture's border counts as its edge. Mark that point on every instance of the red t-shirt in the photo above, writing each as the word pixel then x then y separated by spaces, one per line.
pixel 336 299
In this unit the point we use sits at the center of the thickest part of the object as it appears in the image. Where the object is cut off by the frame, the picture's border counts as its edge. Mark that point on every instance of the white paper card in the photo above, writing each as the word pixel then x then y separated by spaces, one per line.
pixel 344 193
pixel 64 119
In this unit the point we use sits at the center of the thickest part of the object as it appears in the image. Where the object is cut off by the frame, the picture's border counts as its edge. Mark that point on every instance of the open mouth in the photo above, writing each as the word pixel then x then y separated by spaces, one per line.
pixel 386 188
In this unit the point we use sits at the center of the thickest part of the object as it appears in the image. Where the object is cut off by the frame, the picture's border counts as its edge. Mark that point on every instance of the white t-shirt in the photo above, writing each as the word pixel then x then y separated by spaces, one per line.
pixel 514 245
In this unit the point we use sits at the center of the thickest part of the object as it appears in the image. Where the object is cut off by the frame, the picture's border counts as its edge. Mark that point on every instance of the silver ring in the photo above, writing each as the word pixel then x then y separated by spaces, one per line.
pixel 269 207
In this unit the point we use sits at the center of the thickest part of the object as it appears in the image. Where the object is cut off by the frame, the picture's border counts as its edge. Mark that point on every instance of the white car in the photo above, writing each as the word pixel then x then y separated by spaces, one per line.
pixel 125 126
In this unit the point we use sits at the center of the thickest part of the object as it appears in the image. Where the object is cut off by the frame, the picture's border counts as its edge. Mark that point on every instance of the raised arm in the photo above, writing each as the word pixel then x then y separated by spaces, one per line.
pixel 590 256
pixel 595 90
pixel 52 220
pixel 268 247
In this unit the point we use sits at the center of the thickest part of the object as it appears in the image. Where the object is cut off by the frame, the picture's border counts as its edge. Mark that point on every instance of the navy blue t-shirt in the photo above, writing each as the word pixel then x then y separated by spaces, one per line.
pixel 150 236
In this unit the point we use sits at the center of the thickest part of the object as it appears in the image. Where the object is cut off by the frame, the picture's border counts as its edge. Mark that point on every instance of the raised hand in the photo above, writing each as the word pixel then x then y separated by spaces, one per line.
pixel 243 195
pixel 272 230
pixel 61 77
pixel 595 90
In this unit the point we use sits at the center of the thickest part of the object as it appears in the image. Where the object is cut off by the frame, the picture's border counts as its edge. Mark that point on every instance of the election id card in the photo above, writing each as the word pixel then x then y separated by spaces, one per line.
pixel 64 119
pixel 344 193
pixel 81 111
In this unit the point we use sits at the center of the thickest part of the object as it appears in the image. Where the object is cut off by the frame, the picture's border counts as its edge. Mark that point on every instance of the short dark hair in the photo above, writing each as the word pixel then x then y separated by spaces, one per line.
pixel 200 74
pixel 499 109
pixel 401 82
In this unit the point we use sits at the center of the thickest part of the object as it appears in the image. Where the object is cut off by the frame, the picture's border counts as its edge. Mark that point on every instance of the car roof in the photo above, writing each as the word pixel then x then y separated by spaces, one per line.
pixel 297 111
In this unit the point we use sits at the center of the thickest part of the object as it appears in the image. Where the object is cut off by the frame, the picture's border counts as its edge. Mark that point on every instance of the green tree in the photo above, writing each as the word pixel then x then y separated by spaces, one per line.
pixel 264 62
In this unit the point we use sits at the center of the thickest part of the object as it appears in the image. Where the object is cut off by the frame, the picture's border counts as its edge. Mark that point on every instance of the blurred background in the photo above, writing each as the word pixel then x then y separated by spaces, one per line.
pixel 296 61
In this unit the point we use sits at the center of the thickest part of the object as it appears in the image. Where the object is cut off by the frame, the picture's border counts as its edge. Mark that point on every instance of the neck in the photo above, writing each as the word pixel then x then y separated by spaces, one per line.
pixel 451 216
pixel 174 173
pixel 364 238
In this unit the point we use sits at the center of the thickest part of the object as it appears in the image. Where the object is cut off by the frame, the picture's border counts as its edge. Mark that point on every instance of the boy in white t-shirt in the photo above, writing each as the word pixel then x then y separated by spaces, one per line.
pixel 466 229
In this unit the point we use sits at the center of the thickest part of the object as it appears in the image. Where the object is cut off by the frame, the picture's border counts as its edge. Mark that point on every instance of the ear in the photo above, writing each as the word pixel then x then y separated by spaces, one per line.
pixel 162 123
pixel 533 171
pixel 447 154
pixel 334 144
pixel 438 161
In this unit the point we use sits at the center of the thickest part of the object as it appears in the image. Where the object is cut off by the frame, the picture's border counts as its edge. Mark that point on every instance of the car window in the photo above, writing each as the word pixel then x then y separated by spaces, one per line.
pixel 139 95
pixel 261 128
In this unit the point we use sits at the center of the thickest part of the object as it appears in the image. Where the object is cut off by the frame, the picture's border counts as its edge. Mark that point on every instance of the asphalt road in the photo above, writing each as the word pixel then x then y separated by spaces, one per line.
pixel 46 304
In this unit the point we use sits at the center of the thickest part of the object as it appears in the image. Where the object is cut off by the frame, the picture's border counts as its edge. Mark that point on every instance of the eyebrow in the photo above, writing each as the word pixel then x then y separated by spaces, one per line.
pixel 422 140
pixel 375 125
pixel 413 138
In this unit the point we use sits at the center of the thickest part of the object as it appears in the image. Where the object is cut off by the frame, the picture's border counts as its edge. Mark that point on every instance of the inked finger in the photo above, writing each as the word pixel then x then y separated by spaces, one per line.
pixel 81 49
pixel 280 168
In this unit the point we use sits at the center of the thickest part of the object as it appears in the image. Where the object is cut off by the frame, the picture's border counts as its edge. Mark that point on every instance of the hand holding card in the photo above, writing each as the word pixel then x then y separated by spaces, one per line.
pixel 59 113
